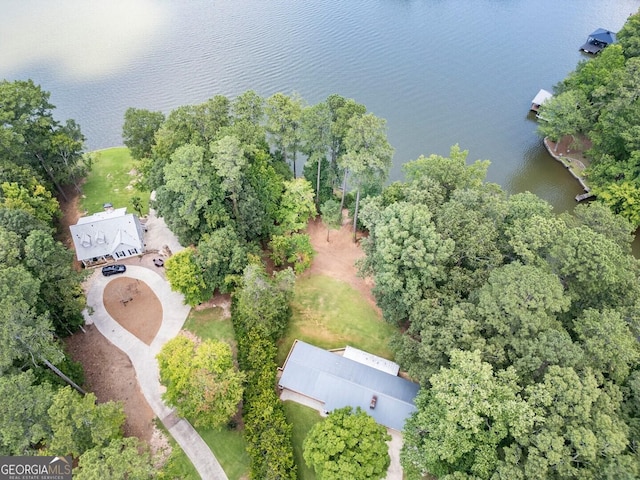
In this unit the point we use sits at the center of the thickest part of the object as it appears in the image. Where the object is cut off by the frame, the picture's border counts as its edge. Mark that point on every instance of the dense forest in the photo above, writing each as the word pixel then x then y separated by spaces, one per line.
pixel 224 173
pixel 599 103
pixel 519 324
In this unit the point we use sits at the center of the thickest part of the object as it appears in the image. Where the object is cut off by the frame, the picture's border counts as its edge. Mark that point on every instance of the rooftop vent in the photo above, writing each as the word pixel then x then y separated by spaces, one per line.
pixel 85 241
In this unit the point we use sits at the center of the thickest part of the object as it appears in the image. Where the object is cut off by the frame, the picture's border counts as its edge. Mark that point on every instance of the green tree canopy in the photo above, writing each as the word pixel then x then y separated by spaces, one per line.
pixel 296 206
pixel 186 277
pixel 629 36
pixel 139 129
pixel 347 444
pixel 405 254
pixel 464 418
pixel 24 413
pixel 30 135
pixel 576 431
pixel 121 459
pixel 79 424
pixel 262 303
pixel 284 118
pixel 201 380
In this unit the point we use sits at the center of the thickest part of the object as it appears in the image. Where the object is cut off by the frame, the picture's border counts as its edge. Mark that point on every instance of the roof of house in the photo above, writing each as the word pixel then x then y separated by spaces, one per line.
pixel 604 36
pixel 371 360
pixel 104 233
pixel 541 97
pixel 339 382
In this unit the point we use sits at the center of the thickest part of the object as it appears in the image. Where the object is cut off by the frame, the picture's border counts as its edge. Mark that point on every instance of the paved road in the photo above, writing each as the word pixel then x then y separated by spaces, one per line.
pixel 142 356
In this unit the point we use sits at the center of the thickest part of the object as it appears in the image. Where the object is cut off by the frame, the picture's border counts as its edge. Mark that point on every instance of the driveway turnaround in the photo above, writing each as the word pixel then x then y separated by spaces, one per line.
pixel 143 358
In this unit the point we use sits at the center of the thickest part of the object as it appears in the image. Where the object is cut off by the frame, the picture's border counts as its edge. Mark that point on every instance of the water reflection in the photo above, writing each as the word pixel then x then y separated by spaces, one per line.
pixel 79 39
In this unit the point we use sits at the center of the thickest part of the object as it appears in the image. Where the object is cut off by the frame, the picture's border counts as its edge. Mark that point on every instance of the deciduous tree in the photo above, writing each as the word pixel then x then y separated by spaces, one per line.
pixel 262 303
pixel 347 444
pixel 229 163
pixel 139 129
pixel 186 277
pixel 296 206
pixel 221 255
pixel 25 421
pixel 577 429
pixel 463 420
pixel 31 136
pixel 201 380
pixel 121 459
pixel 405 255
pixel 79 423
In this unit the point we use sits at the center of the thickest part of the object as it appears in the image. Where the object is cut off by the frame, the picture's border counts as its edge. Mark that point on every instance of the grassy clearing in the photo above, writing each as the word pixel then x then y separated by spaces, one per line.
pixel 110 180
pixel 302 418
pixel 230 449
pixel 329 313
pixel 210 323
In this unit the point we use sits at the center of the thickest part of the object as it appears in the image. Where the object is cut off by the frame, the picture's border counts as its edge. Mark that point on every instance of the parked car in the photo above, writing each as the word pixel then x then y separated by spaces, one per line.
pixel 113 270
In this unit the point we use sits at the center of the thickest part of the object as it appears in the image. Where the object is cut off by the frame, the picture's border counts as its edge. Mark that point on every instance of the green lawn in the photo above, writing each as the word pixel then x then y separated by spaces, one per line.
pixel 111 180
pixel 302 418
pixel 209 323
pixel 230 449
pixel 330 314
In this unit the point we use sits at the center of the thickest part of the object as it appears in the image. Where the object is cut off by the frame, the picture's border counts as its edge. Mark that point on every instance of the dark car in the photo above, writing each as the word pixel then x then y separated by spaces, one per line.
pixel 113 270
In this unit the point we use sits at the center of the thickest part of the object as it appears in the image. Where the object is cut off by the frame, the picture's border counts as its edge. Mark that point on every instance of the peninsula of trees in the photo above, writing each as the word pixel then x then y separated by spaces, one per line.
pixel 599 102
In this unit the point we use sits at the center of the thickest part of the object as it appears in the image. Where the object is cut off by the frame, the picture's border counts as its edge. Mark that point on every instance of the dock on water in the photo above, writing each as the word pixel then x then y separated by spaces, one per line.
pixel 598 40
pixel 541 97
pixel 585 196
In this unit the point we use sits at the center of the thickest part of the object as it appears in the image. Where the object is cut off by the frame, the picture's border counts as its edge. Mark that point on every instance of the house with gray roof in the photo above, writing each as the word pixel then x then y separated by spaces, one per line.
pixel 336 381
pixel 110 235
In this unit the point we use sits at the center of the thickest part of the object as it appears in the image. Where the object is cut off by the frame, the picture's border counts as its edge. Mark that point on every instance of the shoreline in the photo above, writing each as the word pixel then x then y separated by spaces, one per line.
pixel 570 163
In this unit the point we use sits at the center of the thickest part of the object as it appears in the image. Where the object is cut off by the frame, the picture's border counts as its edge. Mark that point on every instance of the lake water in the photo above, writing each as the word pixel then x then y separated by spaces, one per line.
pixel 440 72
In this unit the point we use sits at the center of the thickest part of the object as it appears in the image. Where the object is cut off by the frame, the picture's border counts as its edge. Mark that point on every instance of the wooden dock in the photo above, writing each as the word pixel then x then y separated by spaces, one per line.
pixel 585 196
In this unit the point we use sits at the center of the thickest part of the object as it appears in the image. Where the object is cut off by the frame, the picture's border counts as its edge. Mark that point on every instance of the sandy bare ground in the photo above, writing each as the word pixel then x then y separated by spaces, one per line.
pixel 134 306
pixel 110 375
pixel 337 257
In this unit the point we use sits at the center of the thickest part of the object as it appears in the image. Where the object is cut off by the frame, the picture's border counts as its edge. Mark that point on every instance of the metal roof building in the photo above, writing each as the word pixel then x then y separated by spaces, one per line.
pixel 109 235
pixel 541 97
pixel 598 39
pixel 338 382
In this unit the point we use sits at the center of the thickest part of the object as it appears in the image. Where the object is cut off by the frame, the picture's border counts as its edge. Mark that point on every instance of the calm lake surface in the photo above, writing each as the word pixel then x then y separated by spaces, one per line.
pixel 440 72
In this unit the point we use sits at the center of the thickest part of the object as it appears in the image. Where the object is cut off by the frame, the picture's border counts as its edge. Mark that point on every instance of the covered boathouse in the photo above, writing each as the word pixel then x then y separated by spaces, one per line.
pixel 598 40
pixel 541 97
